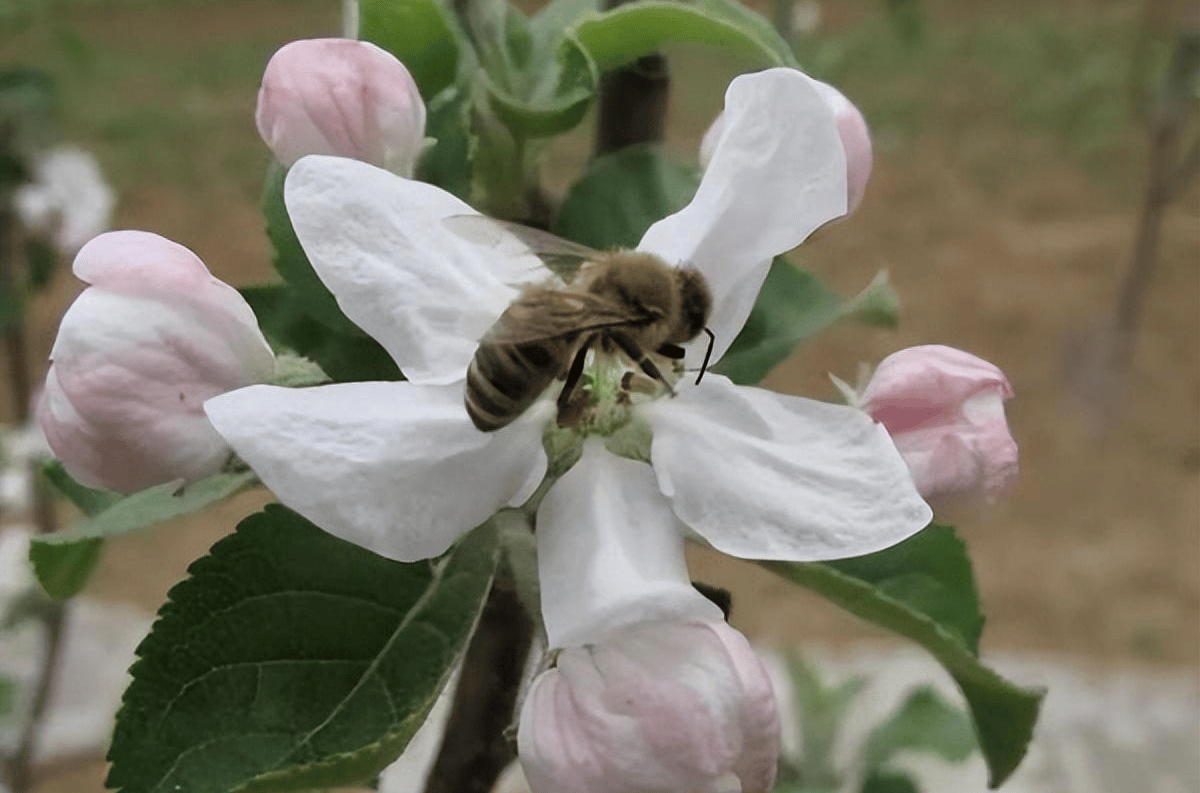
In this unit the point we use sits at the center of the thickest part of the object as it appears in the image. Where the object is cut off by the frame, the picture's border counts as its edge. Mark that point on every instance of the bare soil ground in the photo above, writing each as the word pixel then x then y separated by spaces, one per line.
pixel 1094 555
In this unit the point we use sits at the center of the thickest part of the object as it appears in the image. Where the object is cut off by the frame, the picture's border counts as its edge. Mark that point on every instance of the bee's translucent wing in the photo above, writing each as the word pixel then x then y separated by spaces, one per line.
pixel 562 257
pixel 550 313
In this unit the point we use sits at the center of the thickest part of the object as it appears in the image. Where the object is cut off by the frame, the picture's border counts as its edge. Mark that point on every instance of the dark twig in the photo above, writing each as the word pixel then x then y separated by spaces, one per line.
pixel 1099 361
pixel 1166 171
pixel 475 748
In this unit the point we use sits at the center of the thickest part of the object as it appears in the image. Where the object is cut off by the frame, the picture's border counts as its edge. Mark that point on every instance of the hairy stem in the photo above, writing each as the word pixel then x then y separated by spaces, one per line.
pixel 632 105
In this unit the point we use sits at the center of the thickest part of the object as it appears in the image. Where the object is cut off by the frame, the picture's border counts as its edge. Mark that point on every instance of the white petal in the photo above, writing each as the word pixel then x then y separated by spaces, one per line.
pixel 768 476
pixel 610 552
pixel 394 467
pixel 378 242
pixel 777 173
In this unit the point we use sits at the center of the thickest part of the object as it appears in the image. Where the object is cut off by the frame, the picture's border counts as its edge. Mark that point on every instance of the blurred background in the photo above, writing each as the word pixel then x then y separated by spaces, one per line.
pixel 1012 154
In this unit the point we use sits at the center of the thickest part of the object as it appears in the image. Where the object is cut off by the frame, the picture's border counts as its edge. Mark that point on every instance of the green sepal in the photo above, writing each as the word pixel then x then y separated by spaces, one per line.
pixel 292 660
pixel 923 589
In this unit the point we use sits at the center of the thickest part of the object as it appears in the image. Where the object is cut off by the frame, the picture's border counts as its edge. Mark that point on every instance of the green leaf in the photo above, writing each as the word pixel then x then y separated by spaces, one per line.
pixel 930 573
pixel 822 712
pixel 890 782
pixel 64 570
pixel 8 696
pixel 293 660
pixel 448 162
pixel 90 502
pixel 292 263
pixel 43 259
pixel 622 35
pixel 924 722
pixel 922 589
pixel 792 306
pixel 62 561
pixel 29 99
pixel 345 357
pixel 12 306
pixel 419 33
pixel 623 194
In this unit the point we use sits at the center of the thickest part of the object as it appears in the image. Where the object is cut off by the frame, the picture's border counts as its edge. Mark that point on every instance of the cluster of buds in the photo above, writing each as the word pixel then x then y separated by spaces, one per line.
pixel 652 690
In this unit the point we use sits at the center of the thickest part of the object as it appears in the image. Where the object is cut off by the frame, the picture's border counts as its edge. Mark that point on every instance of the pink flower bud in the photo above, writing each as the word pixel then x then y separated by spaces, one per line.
pixel 944 408
pixel 137 354
pixel 856 140
pixel 660 707
pixel 341 97
pixel 852 129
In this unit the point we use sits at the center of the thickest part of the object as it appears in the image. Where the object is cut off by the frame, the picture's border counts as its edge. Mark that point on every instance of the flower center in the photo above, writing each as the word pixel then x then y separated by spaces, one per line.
pixel 602 404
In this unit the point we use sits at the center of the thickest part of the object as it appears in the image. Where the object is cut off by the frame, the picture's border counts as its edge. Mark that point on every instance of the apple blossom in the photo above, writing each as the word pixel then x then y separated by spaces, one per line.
pixel 852 131
pixel 67 201
pixel 137 354
pixel 945 410
pixel 651 692
pixel 399 468
pixel 659 708
pixel 341 97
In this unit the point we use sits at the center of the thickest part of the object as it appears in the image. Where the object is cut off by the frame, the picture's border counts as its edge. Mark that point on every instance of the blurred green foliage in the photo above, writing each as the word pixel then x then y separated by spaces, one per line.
pixel 1083 76
pixel 160 106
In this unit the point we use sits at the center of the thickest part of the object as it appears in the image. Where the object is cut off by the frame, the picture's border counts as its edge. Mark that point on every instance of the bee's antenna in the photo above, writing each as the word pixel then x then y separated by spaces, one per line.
pixel 707 354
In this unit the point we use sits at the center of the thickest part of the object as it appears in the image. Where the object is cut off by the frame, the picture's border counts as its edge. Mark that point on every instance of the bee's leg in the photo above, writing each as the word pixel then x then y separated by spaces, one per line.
pixel 630 347
pixel 575 372
pixel 672 351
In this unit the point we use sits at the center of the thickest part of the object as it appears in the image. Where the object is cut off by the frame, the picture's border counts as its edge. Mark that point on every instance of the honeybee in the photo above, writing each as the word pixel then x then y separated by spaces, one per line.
pixel 618 300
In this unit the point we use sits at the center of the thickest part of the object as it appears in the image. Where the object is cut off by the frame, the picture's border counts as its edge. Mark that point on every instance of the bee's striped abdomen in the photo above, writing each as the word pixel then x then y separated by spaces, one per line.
pixel 503 380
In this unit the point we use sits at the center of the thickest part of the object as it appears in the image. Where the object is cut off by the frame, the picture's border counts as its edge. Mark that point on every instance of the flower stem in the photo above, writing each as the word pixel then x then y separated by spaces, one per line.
pixel 476 746
pixel 632 105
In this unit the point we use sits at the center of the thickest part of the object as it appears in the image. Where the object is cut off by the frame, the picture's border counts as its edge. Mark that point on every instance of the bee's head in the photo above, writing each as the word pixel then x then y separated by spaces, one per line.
pixel 695 303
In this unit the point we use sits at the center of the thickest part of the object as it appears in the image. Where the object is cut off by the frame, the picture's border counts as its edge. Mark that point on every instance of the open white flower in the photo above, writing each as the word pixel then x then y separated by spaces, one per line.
pixel 651 691
pixel 399 468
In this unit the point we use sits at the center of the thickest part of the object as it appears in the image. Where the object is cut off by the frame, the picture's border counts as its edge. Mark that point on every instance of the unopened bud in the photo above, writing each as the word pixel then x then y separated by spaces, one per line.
pixel 852 130
pixel 344 98
pixel 659 707
pixel 137 355
pixel 944 409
